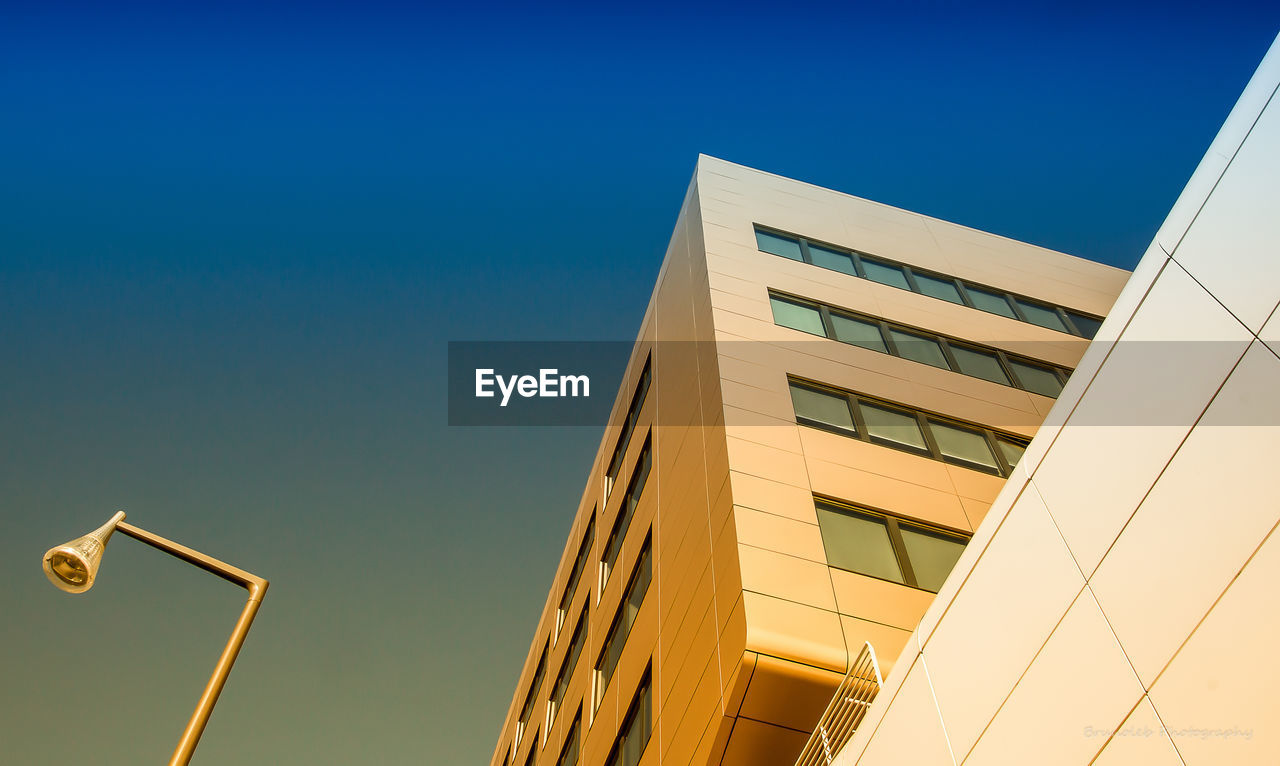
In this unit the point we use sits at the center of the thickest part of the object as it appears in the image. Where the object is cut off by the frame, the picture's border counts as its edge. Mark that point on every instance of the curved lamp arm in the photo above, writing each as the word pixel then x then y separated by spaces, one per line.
pixel 256 586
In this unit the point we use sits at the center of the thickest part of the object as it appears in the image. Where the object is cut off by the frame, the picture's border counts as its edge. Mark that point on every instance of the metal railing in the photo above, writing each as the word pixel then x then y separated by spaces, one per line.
pixel 848 707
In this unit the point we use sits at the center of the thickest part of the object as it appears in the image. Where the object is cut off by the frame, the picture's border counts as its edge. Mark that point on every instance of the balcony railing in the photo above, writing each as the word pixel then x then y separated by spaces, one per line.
pixel 848 707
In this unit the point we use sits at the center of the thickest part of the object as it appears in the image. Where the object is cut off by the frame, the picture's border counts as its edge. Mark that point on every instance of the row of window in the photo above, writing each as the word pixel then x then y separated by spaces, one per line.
pixel 628 427
pixel 903 428
pixel 605 665
pixel 928 283
pixel 526 710
pixel 941 351
pixel 628 610
pixel 575 574
pixel 637 587
pixel 611 476
pixel 613 544
pixel 883 546
pixel 635 730
pixel 628 746
pixel 570 662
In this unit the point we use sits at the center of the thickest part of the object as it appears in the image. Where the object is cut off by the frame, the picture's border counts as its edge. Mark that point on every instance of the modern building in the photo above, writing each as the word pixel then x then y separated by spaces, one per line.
pixel 825 398
pixel 1119 604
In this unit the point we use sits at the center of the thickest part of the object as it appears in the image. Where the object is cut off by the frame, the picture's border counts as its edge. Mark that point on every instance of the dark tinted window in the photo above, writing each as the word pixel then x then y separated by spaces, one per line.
pixel 783 246
pixel 820 407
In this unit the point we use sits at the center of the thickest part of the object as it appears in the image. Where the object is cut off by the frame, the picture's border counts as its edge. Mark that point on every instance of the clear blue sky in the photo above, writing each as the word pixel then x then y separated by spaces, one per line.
pixel 235 238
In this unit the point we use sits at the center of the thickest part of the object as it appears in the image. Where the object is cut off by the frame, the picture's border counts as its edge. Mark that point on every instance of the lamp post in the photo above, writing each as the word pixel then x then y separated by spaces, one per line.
pixel 74 566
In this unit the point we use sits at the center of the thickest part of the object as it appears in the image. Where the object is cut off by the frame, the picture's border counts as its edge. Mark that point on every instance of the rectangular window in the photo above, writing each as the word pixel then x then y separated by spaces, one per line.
pixel 885 273
pixel 859 543
pixel 613 545
pixel 1045 316
pixel 904 428
pixel 622 622
pixel 797 316
pixel 979 364
pixel 575 574
pixel 628 427
pixel 937 287
pixel 526 710
pixel 918 348
pixel 1011 450
pixel 569 753
pixel 566 668
pixel 821 408
pixel 1037 379
pixel 1087 326
pixel 778 245
pixel 886 547
pixel 887 424
pixel 933 554
pixel 636 728
pixel 994 303
pixel 858 332
pixel 961 445
pixel 830 259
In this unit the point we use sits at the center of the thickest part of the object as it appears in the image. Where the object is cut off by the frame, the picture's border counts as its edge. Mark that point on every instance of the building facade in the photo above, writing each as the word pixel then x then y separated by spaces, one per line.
pixel 1131 561
pixel 825 398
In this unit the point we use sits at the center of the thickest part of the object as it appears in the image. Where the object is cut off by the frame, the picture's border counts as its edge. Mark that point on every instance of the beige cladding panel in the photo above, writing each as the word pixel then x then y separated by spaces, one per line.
pixel 728 579
pixel 1217 696
pixel 732 655
pixel 1241 215
pixel 681 636
pixel 678 738
pixel 1049 714
pixel 786 577
pixel 780 499
pixel 879 601
pixel 695 696
pixel 1163 550
pixel 793 538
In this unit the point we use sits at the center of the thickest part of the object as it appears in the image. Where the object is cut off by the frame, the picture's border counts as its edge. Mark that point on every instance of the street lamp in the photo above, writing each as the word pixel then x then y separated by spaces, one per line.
pixel 74 566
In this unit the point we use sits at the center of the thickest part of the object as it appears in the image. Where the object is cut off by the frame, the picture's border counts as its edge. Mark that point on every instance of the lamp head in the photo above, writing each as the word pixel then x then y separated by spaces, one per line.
pixel 73 566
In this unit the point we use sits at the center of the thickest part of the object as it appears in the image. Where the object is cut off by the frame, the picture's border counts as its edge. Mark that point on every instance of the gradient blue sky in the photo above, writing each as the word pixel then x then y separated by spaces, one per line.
pixel 235 238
